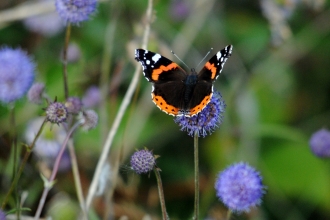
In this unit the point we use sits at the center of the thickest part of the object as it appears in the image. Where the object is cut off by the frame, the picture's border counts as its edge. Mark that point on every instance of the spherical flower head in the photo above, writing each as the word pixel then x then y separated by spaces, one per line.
pixel 205 121
pixel 49 143
pixel 47 24
pixel 16 74
pixel 92 97
pixel 239 187
pixel 36 92
pixel 73 105
pixel 75 11
pixel 142 161
pixel 320 143
pixel 89 119
pixel 56 112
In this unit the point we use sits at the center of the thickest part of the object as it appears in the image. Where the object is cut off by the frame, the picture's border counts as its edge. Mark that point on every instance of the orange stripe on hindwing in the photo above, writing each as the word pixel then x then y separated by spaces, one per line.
pixel 162 105
pixel 201 105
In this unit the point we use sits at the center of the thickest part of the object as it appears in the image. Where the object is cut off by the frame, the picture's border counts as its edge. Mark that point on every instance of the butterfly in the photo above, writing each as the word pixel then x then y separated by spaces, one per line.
pixel 176 92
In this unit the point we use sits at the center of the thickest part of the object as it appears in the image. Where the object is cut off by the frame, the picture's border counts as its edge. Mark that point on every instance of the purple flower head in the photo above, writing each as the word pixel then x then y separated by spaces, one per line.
pixel 239 187
pixel 36 92
pixel 56 112
pixel 320 143
pixel 2 215
pixel 49 142
pixel 73 105
pixel 92 97
pixel 75 11
pixel 205 121
pixel 47 24
pixel 16 74
pixel 142 161
pixel 179 9
pixel 89 119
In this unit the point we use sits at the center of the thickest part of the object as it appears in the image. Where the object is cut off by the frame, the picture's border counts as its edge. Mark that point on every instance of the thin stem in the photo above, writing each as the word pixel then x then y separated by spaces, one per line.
pixel 196 204
pixel 21 168
pixel 161 193
pixel 65 61
pixel 49 183
pixel 229 214
pixel 76 178
pixel 119 116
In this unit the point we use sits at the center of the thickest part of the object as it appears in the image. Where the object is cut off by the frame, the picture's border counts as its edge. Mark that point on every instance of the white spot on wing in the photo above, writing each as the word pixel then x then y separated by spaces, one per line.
pixel 156 57
pixel 148 62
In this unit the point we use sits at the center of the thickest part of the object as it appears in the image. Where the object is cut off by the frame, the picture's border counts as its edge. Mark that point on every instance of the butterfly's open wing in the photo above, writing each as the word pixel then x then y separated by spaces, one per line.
pixel 167 78
pixel 213 67
pixel 204 88
pixel 158 69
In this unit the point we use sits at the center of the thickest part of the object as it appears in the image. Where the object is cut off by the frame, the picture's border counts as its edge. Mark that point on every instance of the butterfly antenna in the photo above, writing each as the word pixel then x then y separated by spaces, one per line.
pixel 205 57
pixel 179 59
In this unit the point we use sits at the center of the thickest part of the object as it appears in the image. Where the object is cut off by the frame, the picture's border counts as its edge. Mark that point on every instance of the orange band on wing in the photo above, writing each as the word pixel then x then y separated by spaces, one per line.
pixel 155 74
pixel 162 105
pixel 201 105
pixel 213 69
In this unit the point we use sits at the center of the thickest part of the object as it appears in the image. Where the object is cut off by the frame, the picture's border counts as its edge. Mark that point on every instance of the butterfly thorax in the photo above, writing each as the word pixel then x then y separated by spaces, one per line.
pixel 190 83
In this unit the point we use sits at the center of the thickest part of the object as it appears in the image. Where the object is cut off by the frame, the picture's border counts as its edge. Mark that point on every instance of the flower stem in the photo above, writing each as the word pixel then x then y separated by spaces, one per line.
pixel 229 214
pixel 76 178
pixel 161 193
pixel 49 183
pixel 120 114
pixel 65 62
pixel 196 204
pixel 21 168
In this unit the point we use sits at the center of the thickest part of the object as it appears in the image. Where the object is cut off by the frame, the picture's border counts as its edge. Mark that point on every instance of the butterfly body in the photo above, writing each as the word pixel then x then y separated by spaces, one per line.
pixel 174 90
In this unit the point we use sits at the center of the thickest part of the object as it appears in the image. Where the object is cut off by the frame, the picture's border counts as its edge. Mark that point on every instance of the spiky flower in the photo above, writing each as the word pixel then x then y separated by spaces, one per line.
pixel 320 143
pixel 16 74
pixel 56 112
pixel 207 120
pixel 142 161
pixel 75 11
pixel 239 187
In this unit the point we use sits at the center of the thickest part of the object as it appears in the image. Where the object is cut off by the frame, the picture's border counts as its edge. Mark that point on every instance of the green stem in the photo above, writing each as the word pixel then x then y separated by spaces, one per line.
pixel 196 204
pixel 21 168
pixel 161 193
pixel 65 62
pixel 229 214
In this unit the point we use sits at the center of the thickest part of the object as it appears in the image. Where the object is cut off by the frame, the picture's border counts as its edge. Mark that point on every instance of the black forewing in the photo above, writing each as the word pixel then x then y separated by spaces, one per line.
pixel 151 61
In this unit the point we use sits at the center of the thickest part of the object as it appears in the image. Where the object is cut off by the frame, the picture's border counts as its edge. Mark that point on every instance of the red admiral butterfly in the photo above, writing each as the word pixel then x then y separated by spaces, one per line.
pixel 176 92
